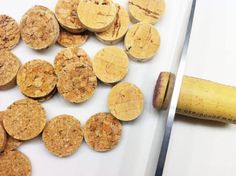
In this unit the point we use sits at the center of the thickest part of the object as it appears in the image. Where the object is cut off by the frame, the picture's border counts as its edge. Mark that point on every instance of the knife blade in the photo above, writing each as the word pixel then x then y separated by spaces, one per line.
pixel 175 95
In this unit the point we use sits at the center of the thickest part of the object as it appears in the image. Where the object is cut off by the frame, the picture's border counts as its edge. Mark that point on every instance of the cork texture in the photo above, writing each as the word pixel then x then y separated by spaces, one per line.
pixel 111 64
pixel 102 132
pixel 9 33
pixel 12 144
pixel 63 135
pixel 47 97
pixel 3 138
pixel 39 28
pixel 125 101
pixel 142 41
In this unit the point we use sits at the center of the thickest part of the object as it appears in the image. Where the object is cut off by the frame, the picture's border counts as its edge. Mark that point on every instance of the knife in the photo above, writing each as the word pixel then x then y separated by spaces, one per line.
pixel 175 96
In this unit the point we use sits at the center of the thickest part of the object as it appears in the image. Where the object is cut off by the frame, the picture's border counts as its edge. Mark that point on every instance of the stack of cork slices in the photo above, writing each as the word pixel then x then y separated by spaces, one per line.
pixel 73 75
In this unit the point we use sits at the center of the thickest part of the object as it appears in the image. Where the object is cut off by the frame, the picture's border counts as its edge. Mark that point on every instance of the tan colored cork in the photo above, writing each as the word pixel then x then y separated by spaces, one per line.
pixel 118 29
pixel 67 39
pixel 63 135
pixel 102 132
pixel 148 11
pixel 142 41
pixel 66 13
pixel 3 138
pixel 2 115
pixel 39 28
pixel 97 15
pixel 9 33
pixel 9 66
pixel 14 163
pixel 70 55
pixel 111 64
pixel 12 144
pixel 126 101
pixel 77 82
pixel 25 119
pixel 36 78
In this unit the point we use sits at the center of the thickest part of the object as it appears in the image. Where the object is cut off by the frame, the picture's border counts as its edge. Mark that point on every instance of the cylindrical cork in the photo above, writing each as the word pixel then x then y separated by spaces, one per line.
pixel 199 98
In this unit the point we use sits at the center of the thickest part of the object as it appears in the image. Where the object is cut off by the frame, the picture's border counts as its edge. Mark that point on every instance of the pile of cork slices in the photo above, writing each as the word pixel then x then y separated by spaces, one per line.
pixel 73 75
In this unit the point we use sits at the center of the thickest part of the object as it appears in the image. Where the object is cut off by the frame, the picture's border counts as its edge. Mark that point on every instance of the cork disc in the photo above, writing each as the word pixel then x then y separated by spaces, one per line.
pixel 36 78
pixel 12 144
pixel 148 11
pixel 70 55
pixel 118 29
pixel 110 64
pixel 63 135
pixel 9 66
pixel 101 16
pixel 14 163
pixel 77 82
pixel 25 119
pixel 66 13
pixel 47 97
pixel 125 101
pixel 142 41
pixel 3 138
pixel 9 32
pixel 102 132
pixel 39 28
pixel 67 39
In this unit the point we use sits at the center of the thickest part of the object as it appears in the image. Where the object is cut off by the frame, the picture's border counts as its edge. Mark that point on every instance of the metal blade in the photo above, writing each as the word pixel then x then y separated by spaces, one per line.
pixel 175 95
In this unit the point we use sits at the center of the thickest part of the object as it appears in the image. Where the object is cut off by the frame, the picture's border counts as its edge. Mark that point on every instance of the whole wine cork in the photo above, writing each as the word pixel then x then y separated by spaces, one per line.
pixel 12 144
pixel 77 82
pixel 25 119
pixel 102 132
pixel 70 55
pixel 39 28
pixel 148 11
pixel 110 64
pixel 118 29
pixel 66 13
pixel 142 41
pixel 9 66
pixel 63 135
pixel 97 15
pixel 14 163
pixel 126 101
pixel 67 39
pixel 9 32
pixel 3 138
pixel 36 79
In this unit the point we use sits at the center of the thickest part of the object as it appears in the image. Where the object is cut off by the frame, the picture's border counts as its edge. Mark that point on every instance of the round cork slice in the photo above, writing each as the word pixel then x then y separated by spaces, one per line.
pixel 70 55
pixel 39 28
pixel 66 13
pixel 36 78
pixel 148 11
pixel 63 135
pixel 25 119
pixel 12 144
pixel 118 29
pixel 111 64
pixel 9 33
pixel 77 82
pixel 126 101
pixel 3 138
pixel 14 163
pixel 102 132
pixel 67 39
pixel 9 66
pixel 101 16
pixel 142 41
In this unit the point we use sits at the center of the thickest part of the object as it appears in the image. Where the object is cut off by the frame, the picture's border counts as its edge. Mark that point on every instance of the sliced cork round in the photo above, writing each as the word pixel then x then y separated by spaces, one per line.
pixel 70 55
pixel 126 101
pixel 66 13
pixel 110 64
pixel 12 144
pixel 36 78
pixel 102 132
pixel 14 163
pixel 142 41
pixel 25 119
pixel 9 66
pixel 63 135
pixel 39 28
pixel 101 16
pixel 149 11
pixel 117 31
pixel 3 138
